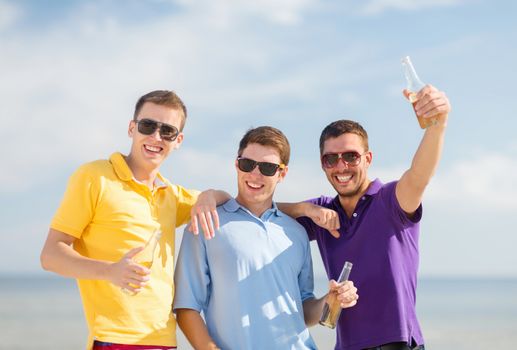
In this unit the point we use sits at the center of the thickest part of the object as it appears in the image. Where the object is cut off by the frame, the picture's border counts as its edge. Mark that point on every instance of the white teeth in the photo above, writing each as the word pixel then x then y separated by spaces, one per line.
pixel 344 178
pixel 153 148
pixel 252 185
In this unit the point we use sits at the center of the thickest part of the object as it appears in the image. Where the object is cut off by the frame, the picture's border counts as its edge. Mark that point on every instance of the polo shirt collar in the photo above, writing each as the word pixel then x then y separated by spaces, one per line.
pixel 374 187
pixel 232 206
pixel 125 174
pixel 120 166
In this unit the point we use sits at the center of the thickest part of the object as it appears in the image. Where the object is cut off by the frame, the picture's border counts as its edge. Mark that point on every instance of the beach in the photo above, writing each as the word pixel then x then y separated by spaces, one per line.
pixel 44 312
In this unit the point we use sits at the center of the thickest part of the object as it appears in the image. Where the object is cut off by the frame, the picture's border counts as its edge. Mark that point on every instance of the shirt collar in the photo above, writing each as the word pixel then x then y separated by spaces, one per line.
pixel 374 187
pixel 125 174
pixel 120 166
pixel 232 206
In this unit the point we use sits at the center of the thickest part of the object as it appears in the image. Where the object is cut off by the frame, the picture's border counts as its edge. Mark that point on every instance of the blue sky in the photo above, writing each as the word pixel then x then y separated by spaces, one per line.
pixel 70 73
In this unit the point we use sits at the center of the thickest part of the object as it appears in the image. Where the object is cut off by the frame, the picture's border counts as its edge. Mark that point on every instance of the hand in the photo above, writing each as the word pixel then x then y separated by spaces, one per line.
pixel 204 213
pixel 325 218
pixel 128 274
pixel 431 103
pixel 345 292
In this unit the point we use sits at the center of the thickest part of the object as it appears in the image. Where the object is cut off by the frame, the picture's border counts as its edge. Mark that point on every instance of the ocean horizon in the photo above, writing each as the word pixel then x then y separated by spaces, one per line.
pixel 44 312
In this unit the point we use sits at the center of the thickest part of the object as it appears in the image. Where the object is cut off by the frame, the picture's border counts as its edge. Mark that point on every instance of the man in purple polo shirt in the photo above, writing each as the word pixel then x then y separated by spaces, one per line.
pixel 376 227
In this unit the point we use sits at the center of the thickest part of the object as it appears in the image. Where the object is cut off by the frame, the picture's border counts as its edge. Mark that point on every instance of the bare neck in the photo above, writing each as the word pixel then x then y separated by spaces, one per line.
pixel 145 175
pixel 349 203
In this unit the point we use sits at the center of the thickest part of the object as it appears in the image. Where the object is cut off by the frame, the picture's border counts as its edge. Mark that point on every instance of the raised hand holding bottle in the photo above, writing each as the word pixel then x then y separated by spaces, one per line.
pixel 414 85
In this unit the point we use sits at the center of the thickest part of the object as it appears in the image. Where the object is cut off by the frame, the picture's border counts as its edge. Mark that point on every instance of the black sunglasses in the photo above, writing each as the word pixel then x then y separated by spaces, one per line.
pixel 148 127
pixel 351 159
pixel 265 168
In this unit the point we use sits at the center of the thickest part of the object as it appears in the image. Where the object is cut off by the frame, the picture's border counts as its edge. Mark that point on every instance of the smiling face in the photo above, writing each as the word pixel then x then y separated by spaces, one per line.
pixel 348 181
pixel 255 191
pixel 149 151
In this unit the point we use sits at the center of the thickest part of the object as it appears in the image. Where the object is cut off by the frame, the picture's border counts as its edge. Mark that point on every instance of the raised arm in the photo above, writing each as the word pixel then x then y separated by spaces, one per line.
pixel 194 328
pixel 59 256
pixel 412 184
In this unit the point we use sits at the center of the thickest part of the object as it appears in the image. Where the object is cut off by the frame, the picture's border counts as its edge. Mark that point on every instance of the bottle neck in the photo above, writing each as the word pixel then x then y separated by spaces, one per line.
pixel 414 83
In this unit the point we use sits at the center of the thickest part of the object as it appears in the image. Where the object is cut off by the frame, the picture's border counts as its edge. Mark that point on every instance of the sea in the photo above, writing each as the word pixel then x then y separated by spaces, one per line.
pixel 45 313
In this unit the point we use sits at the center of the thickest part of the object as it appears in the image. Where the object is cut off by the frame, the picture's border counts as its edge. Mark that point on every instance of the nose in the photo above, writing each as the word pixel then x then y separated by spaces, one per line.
pixel 341 164
pixel 256 170
pixel 156 134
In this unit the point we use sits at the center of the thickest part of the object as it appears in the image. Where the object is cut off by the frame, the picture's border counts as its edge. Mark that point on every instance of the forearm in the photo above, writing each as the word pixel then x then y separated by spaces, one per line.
pixel 58 256
pixel 295 210
pixel 426 159
pixel 413 183
pixel 221 197
pixel 312 310
pixel 194 328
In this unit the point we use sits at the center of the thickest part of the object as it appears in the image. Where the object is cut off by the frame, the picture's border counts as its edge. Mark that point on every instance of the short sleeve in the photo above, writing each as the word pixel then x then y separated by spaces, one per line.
pixel 185 200
pixel 192 274
pixel 389 197
pixel 306 275
pixel 78 204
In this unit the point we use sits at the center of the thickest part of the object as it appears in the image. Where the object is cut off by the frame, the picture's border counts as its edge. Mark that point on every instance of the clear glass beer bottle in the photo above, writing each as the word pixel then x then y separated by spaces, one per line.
pixel 332 308
pixel 146 256
pixel 414 85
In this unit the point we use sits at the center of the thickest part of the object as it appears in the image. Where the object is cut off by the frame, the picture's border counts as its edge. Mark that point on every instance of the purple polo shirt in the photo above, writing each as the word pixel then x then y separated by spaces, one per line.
pixel 382 243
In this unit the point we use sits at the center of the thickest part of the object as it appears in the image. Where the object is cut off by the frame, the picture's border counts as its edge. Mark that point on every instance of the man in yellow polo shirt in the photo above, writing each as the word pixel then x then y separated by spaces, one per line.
pixel 109 211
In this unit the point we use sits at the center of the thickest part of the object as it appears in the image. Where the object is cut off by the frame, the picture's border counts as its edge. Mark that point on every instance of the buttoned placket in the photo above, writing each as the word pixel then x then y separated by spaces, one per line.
pixel 358 208
pixel 153 194
pixel 347 222
pixel 266 222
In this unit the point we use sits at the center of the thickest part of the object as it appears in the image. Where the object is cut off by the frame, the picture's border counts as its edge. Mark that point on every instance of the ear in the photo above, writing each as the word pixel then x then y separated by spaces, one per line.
pixel 178 140
pixel 282 173
pixel 131 128
pixel 369 158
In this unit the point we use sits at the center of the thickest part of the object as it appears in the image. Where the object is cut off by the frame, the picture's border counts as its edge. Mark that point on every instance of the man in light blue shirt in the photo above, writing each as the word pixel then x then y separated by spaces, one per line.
pixel 254 280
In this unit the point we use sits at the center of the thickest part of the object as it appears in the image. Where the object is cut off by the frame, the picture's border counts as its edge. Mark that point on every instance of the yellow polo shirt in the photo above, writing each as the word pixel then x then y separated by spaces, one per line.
pixel 110 213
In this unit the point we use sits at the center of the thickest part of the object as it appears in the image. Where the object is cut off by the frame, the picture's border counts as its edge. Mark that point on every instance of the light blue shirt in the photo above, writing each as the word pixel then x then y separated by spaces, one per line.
pixel 249 281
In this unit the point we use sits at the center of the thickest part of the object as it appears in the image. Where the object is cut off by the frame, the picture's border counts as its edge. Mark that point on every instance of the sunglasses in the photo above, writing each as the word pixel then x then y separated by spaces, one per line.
pixel 149 126
pixel 351 159
pixel 265 168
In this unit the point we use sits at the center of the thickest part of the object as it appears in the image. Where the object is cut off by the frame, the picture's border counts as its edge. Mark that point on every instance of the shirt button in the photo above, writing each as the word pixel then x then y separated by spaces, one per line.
pixel 363 198
pixel 354 215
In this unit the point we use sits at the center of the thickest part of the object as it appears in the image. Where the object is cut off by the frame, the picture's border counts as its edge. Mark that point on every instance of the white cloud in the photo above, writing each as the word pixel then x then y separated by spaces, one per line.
pixel 484 183
pixel 375 7
pixel 9 14
pixel 69 89
pixel 487 181
pixel 224 12
pixel 287 12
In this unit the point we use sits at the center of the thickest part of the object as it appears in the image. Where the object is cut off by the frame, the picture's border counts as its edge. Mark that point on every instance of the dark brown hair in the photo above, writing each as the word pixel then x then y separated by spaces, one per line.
pixel 163 98
pixel 340 127
pixel 267 136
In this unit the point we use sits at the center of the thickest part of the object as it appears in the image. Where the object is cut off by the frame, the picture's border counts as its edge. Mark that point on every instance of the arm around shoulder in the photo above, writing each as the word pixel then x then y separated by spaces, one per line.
pixel 321 216
pixel 204 212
